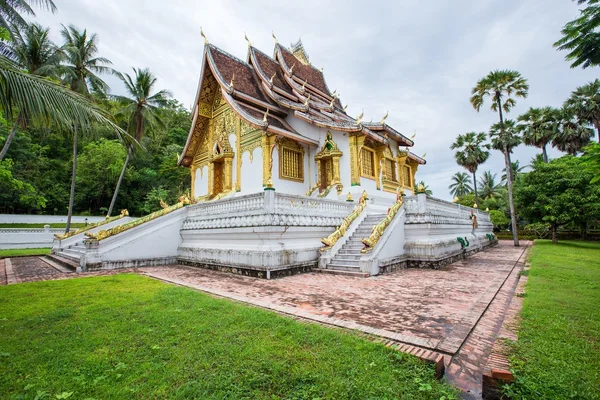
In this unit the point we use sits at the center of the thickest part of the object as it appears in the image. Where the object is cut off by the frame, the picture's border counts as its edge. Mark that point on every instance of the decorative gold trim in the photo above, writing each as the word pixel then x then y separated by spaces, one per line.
pixel 105 221
pixel 267 145
pixel 332 239
pixel 125 227
pixel 378 229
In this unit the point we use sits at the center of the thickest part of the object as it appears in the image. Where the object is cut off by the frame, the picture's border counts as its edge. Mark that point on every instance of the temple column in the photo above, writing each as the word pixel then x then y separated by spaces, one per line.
pixel 211 179
pixel 227 164
pixel 268 141
pixel 336 169
pixel 193 181
pixel 319 181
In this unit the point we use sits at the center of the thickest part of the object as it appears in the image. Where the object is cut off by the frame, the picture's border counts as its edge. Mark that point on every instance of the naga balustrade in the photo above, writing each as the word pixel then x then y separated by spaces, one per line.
pixel 332 239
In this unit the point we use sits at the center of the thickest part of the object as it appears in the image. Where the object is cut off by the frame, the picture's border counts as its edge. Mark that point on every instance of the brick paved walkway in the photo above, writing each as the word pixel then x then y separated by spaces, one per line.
pixel 455 311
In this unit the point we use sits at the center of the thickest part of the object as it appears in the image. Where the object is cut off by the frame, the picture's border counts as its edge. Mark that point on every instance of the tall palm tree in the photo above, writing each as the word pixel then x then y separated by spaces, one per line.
pixel 489 187
pixel 584 103
pixel 539 126
pixel 573 135
pixel 516 170
pixel 502 87
pixel 80 73
pixel 32 49
pixel 11 10
pixel 141 106
pixel 471 152
pixel 580 37
pixel 460 185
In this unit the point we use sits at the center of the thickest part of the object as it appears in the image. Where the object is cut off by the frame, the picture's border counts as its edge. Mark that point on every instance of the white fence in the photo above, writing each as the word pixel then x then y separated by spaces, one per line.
pixel 27 238
pixel 45 219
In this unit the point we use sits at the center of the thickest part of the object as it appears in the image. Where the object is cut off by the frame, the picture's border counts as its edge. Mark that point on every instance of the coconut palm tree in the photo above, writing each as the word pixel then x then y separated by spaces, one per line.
pixel 488 187
pixel 539 126
pixel 573 135
pixel 584 103
pixel 502 87
pixel 141 106
pixel 472 152
pixel 11 11
pixel 32 49
pixel 80 73
pixel 460 185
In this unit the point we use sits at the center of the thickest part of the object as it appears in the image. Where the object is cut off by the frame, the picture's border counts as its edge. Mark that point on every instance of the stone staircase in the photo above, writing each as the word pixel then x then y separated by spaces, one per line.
pixel 347 258
pixel 69 257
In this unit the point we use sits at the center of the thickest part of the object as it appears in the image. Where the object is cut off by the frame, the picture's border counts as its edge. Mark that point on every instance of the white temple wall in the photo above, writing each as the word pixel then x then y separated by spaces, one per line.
pixel 306 129
pixel 251 172
pixel 341 139
pixel 201 182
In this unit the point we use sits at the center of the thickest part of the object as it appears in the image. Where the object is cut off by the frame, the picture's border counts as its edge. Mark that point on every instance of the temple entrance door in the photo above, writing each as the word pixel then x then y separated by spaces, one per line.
pixel 325 174
pixel 218 177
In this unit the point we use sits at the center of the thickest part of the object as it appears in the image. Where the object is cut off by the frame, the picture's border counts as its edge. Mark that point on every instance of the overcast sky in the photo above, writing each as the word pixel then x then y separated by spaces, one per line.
pixel 417 59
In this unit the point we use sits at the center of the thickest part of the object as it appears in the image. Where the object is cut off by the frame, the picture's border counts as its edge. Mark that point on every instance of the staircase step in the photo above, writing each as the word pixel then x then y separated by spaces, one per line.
pixel 72 253
pixel 338 272
pixel 57 266
pixel 347 257
pixel 349 252
pixel 64 261
pixel 343 267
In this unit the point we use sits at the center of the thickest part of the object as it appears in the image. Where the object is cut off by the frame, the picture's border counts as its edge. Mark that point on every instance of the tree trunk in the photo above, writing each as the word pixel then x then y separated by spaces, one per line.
pixel 114 198
pixel 475 189
pixel 545 154
pixel 597 126
pixel 9 140
pixel 73 174
pixel 509 182
pixel 554 236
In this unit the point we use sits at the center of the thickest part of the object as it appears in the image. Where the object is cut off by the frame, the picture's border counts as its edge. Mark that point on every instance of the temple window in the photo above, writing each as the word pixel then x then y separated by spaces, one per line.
pixel 367 163
pixel 406 177
pixel 291 164
pixel 390 170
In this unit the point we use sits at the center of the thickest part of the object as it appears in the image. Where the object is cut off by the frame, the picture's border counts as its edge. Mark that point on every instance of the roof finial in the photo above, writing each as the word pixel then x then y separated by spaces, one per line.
pixel 321 69
pixel 384 117
pixel 360 117
pixel 423 156
pixel 345 107
pixel 266 115
pixel 247 40
pixel 332 101
pixel 232 79
pixel 334 93
pixel 292 69
pixel 203 35
pixel 274 37
pixel 307 100
pixel 273 77
pixel 304 84
pixel 413 136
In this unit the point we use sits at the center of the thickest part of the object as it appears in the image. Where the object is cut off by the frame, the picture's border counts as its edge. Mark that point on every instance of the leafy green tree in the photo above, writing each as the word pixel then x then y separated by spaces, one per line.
pixel 98 168
pixel 502 87
pixel 499 219
pixel 591 160
pixel 153 198
pixel 12 188
pixel 573 134
pixel 559 193
pixel 472 151
pixel 539 126
pixel 488 186
pixel 460 184
pixel 580 37
pixel 142 108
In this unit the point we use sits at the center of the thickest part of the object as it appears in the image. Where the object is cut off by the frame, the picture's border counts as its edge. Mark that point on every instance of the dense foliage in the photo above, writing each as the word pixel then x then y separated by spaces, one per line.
pixel 35 177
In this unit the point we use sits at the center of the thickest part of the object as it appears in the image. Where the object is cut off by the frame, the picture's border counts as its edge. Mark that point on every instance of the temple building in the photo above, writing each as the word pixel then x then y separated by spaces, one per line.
pixel 274 122
pixel 284 181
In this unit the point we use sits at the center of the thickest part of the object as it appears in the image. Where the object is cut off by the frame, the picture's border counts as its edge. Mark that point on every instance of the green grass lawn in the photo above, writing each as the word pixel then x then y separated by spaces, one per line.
pixel 40 226
pixel 558 352
pixel 128 336
pixel 24 252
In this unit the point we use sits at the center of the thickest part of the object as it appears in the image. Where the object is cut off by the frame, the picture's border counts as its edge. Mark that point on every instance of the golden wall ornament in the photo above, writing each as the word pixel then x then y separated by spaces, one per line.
pixel 267 144
pixel 329 156
pixel 378 229
pixel 332 239
pixel 124 213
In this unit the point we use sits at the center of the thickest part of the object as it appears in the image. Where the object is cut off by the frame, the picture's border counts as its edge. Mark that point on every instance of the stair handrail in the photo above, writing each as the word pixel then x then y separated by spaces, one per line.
pixel 63 236
pixel 332 239
pixel 103 234
pixel 378 229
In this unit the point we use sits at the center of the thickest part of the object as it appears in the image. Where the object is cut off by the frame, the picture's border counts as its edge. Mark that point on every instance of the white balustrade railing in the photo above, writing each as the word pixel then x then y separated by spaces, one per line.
pixel 303 205
pixel 429 209
pixel 232 205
